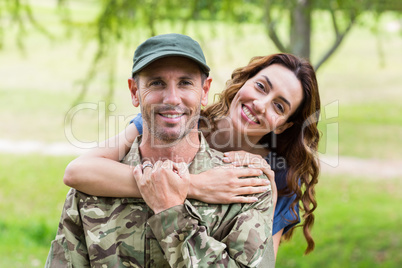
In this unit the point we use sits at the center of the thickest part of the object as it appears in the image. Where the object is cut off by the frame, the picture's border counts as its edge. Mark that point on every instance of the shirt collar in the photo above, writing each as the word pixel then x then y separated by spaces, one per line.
pixel 199 163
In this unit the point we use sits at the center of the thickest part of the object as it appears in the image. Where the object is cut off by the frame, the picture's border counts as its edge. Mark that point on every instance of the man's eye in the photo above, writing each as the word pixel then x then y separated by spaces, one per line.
pixel 155 83
pixel 186 83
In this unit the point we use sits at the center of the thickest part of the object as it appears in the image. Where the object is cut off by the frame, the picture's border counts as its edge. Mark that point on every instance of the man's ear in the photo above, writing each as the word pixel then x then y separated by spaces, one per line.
pixel 282 128
pixel 205 90
pixel 135 96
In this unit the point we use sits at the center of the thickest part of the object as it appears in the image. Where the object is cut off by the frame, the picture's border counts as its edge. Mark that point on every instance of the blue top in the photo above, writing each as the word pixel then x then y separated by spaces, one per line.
pixel 283 213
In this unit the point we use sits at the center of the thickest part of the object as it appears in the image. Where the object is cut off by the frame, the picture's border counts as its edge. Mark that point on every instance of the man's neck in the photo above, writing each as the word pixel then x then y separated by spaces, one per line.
pixel 183 150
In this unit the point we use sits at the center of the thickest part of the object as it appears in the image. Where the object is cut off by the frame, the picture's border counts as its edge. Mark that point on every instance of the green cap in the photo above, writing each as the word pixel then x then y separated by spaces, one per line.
pixel 167 45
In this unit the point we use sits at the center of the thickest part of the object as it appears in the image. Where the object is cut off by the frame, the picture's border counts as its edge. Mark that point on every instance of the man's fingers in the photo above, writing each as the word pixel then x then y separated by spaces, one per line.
pixel 181 169
pixel 137 172
pixel 158 164
pixel 147 168
pixel 167 164
pixel 147 164
pixel 172 166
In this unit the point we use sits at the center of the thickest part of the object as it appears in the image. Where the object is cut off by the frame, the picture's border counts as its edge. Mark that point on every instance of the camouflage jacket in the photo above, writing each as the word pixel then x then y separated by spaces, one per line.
pixel 124 232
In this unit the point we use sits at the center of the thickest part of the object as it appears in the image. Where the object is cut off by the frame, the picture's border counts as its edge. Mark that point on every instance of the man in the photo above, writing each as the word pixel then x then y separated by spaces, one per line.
pixel 170 82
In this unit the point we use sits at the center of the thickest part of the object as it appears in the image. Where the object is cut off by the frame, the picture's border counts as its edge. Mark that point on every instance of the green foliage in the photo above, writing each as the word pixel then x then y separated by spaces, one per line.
pixel 115 23
pixel 18 14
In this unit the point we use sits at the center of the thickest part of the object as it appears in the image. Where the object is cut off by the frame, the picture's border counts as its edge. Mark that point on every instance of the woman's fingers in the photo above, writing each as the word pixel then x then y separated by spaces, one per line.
pixel 242 184
pixel 241 158
pixel 229 184
pixel 253 182
pixel 251 190
pixel 271 176
pixel 245 172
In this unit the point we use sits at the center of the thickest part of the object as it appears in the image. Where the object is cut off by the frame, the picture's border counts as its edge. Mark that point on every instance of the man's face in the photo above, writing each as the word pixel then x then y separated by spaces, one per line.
pixel 170 92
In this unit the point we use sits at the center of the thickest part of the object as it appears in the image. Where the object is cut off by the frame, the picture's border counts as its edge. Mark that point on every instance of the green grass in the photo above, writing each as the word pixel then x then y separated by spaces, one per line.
pixel 31 198
pixel 356 221
pixel 357 225
pixel 365 130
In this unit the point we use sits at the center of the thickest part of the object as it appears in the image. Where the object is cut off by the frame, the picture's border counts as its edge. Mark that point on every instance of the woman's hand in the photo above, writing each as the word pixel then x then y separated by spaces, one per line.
pixel 243 158
pixel 222 185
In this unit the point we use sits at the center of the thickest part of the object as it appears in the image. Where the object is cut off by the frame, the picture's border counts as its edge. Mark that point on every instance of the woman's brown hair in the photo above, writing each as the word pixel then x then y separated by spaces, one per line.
pixel 298 144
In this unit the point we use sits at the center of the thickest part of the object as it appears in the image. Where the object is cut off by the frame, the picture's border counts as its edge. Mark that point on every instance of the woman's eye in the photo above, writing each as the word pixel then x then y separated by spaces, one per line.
pixel 280 108
pixel 260 86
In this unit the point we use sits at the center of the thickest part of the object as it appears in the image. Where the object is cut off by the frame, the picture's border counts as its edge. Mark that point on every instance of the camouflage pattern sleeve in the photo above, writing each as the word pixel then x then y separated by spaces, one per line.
pixel 69 247
pixel 240 241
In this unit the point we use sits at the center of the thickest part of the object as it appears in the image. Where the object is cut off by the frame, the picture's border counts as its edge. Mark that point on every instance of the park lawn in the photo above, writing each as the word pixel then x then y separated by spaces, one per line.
pixel 356 223
pixel 364 130
pixel 31 198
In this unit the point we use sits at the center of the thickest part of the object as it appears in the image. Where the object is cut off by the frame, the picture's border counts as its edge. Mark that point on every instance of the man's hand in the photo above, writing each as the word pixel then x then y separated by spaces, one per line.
pixel 164 185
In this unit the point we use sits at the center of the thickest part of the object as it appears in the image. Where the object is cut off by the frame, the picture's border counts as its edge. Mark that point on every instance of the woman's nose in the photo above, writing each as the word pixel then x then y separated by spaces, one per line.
pixel 259 106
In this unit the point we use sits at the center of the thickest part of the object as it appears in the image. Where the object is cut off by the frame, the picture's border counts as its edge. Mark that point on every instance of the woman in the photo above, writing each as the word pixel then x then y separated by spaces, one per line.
pixel 270 108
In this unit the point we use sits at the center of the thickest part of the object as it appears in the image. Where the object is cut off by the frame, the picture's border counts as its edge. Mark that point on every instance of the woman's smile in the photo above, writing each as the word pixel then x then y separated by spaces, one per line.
pixel 249 115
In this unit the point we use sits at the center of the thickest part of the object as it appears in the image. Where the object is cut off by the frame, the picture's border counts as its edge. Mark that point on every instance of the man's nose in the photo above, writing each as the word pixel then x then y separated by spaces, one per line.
pixel 172 95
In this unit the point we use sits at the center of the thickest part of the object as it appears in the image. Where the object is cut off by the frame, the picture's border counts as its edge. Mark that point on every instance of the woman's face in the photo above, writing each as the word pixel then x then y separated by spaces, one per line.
pixel 266 101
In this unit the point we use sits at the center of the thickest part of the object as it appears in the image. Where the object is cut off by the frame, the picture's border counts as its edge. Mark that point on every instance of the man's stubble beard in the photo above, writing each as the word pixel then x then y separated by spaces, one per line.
pixel 169 138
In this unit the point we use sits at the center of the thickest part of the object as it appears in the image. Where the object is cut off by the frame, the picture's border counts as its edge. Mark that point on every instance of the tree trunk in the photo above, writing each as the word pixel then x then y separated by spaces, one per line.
pixel 300 31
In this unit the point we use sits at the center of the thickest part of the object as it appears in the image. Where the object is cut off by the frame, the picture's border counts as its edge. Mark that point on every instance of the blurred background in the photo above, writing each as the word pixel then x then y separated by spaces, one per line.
pixel 64 66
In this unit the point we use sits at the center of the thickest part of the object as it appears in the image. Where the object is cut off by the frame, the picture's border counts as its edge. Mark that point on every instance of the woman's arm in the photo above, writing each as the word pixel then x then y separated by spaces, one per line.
pixel 99 171
pixel 277 240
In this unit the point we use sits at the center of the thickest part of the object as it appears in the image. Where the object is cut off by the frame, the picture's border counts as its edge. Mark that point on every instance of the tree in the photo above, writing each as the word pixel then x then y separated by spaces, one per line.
pixel 342 12
pixel 118 19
